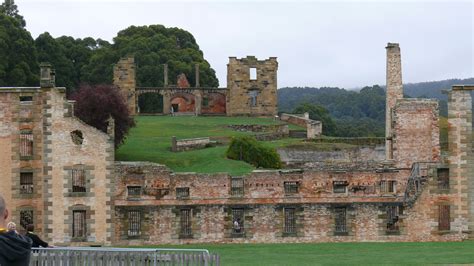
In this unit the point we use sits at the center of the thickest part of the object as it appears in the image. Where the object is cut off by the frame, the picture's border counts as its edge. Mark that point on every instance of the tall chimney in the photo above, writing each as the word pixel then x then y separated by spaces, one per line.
pixel 394 91
pixel 46 75
pixel 165 75
pixel 196 68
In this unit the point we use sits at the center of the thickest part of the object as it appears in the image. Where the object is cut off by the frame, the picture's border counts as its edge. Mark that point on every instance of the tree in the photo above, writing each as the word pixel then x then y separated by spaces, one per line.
pixel 318 113
pixel 18 66
pixel 95 104
pixel 10 9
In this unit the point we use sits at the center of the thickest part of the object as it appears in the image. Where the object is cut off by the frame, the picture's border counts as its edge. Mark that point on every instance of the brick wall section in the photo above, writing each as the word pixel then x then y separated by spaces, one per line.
pixel 394 90
pixel 240 85
pixel 460 158
pixel 124 78
pixel 314 128
pixel 264 201
pixel 415 132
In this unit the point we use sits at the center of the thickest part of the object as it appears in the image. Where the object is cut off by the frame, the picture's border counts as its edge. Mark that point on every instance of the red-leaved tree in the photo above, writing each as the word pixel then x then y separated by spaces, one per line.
pixel 95 104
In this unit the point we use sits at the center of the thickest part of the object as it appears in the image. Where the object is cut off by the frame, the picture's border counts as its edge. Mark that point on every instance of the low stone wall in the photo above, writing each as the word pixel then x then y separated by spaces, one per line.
pixel 314 128
pixel 281 128
pixel 314 158
pixel 189 144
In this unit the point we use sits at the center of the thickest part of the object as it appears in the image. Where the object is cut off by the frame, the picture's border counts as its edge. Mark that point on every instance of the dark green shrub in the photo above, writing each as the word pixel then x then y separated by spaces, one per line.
pixel 248 149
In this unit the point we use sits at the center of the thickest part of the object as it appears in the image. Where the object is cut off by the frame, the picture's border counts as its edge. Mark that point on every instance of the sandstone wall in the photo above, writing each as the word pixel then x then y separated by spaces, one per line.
pixel 124 78
pixel 314 128
pixel 241 87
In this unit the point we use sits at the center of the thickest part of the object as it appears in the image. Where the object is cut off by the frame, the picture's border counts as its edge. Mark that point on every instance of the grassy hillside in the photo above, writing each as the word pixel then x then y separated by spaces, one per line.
pixel 150 141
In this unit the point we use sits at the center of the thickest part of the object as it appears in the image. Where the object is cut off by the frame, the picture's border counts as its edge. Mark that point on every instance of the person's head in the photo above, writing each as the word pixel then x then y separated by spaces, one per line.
pixel 11 226
pixel 3 212
pixel 30 228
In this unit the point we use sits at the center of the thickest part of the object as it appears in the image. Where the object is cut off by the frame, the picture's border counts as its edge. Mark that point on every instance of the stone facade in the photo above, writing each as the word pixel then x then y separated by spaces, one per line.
pixel 252 86
pixel 43 147
pixel 244 95
pixel 60 175
pixel 314 129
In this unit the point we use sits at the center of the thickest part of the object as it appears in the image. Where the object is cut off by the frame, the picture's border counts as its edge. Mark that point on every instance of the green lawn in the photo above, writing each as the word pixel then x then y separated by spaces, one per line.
pixel 150 141
pixel 342 253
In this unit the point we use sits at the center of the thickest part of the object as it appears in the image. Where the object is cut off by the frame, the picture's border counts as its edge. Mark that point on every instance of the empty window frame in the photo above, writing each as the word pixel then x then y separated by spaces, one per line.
pixel 339 186
pixel 26 218
pixel 237 187
pixel 393 213
pixel 253 97
pixel 185 223
pixel 238 221
pixel 388 186
pixel 443 178
pixel 290 220
pixel 134 191
pixel 78 177
pixel 134 223
pixel 291 187
pixel 79 224
pixel 26 99
pixel 26 183
pixel 26 144
pixel 340 219
pixel 444 218
pixel 182 192
pixel 205 101
pixel 253 73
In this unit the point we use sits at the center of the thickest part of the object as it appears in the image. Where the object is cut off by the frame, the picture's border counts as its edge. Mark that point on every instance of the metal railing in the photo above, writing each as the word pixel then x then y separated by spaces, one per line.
pixel 415 183
pixel 98 256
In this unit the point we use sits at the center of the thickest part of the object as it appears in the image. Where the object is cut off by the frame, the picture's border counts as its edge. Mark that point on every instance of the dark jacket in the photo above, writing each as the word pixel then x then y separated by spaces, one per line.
pixel 15 249
pixel 37 242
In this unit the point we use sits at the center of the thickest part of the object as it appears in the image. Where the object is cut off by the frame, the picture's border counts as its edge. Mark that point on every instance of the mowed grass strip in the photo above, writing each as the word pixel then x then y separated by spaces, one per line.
pixel 150 141
pixel 341 253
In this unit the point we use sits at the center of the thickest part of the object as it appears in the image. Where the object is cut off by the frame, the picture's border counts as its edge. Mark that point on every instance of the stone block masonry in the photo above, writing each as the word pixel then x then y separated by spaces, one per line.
pixel 314 129
pixel 189 144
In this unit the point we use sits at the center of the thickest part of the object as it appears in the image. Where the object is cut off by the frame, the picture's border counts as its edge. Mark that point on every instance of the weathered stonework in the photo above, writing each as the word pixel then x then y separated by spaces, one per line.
pixel 314 129
pixel 125 79
pixel 252 97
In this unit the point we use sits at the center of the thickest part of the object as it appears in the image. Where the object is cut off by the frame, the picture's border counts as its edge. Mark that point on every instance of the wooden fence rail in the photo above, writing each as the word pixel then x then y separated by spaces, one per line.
pixel 121 257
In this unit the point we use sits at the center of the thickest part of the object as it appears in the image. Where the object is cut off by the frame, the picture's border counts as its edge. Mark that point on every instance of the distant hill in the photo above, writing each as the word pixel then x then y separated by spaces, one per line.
pixel 363 109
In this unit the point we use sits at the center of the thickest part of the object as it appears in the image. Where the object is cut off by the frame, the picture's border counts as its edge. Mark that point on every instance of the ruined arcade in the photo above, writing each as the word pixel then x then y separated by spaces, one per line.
pixel 61 174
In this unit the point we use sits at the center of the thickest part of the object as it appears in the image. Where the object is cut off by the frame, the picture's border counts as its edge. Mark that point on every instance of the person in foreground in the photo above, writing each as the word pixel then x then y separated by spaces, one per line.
pixel 15 249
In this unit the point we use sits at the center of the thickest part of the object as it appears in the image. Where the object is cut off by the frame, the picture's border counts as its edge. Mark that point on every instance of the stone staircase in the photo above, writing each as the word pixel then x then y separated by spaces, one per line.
pixel 416 182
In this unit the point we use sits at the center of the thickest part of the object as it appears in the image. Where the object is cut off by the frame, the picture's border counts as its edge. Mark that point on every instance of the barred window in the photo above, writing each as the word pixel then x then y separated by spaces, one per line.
pixel 444 223
pixel 290 221
pixel 26 183
pixel 78 177
pixel 134 223
pixel 388 186
pixel 339 186
pixel 238 221
pixel 340 220
pixel 291 187
pixel 26 99
pixel 237 187
pixel 182 192
pixel 79 223
pixel 443 178
pixel 26 218
pixel 26 144
pixel 205 101
pixel 393 213
pixel 185 222
pixel 134 191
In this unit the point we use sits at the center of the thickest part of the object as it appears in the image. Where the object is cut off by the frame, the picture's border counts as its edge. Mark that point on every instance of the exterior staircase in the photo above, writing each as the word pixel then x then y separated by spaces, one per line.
pixel 416 182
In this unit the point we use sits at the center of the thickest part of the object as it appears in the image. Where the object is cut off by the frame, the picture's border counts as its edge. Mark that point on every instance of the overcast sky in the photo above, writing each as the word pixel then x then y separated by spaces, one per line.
pixel 318 43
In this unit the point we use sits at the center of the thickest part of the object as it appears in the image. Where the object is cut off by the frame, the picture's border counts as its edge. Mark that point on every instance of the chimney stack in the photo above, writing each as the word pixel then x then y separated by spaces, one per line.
pixel 196 68
pixel 165 75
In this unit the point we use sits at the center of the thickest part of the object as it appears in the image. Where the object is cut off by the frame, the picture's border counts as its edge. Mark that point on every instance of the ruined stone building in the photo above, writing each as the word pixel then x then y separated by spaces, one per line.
pixel 251 90
pixel 60 175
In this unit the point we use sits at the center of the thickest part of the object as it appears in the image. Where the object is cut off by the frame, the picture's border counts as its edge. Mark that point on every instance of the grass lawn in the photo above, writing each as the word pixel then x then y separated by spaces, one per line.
pixel 150 141
pixel 342 253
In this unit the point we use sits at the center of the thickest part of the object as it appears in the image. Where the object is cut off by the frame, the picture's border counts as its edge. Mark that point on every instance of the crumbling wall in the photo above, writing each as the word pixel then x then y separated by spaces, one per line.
pixel 252 97
pixel 124 78
pixel 415 132
pixel 314 128
pixel 189 144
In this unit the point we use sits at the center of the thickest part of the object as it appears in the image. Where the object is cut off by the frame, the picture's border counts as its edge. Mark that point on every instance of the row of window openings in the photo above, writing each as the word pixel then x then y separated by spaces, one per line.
pixel 26 142
pixel 340 220
pixel 78 178
pixel 79 223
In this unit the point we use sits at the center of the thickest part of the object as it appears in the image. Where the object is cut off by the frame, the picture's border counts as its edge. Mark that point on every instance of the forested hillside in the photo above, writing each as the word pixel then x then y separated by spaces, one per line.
pixel 360 112
pixel 90 60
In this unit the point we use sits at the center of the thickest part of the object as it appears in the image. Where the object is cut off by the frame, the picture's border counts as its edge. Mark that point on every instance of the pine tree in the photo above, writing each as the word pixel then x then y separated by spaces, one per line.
pixel 10 9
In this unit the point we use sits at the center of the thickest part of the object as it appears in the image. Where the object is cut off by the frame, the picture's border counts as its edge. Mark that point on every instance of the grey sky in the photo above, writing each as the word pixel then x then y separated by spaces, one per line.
pixel 317 43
